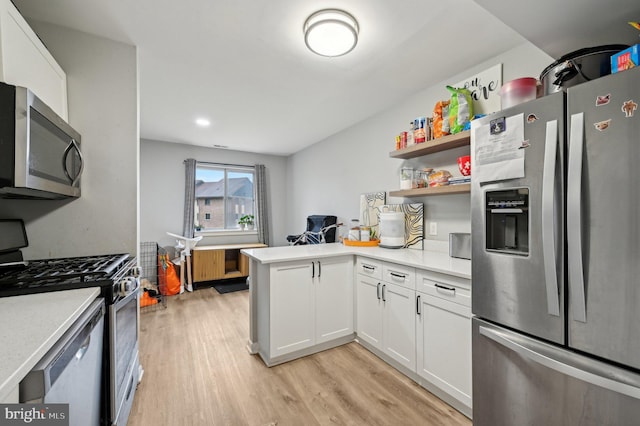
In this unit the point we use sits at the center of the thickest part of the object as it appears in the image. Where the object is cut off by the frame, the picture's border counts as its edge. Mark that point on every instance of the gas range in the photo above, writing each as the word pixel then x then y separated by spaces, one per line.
pixel 117 277
pixel 112 273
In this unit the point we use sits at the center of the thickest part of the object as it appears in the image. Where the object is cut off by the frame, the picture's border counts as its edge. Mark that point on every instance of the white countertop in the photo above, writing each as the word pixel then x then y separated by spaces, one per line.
pixel 431 260
pixel 31 325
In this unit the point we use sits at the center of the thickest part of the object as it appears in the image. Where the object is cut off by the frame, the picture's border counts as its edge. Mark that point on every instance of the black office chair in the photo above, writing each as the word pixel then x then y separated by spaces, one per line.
pixel 316 226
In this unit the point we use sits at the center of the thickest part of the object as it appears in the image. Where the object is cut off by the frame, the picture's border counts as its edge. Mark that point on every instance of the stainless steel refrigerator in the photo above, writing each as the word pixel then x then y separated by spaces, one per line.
pixel 556 258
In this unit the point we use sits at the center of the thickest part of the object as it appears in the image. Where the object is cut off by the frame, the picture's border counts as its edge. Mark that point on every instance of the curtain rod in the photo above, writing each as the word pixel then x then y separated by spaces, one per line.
pixel 223 164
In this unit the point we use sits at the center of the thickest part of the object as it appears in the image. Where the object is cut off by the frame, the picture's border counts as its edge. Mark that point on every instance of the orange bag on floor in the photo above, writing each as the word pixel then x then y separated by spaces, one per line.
pixel 147 300
pixel 167 276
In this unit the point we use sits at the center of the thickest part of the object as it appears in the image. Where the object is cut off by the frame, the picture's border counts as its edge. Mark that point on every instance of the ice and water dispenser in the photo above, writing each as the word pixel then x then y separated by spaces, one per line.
pixel 507 221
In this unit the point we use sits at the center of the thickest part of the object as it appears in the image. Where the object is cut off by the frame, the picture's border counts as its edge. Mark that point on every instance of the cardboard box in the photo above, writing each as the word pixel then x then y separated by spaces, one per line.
pixel 626 59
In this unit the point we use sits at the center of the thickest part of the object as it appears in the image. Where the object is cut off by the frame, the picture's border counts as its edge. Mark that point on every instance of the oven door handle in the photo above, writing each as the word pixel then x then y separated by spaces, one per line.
pixel 127 298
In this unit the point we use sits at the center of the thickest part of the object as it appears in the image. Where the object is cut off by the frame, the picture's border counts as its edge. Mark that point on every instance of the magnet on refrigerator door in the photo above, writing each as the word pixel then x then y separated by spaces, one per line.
pixel 629 107
pixel 603 100
pixel 602 125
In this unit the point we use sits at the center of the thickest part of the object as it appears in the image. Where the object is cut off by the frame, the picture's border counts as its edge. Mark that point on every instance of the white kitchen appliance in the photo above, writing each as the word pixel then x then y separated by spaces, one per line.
pixel 392 230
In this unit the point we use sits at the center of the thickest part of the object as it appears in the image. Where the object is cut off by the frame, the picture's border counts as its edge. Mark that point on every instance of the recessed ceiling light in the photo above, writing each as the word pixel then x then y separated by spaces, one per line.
pixel 203 122
pixel 331 32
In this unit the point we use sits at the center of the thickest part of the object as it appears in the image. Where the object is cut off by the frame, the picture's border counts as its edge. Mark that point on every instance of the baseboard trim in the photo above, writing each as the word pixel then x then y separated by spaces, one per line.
pixel 270 362
pixel 446 397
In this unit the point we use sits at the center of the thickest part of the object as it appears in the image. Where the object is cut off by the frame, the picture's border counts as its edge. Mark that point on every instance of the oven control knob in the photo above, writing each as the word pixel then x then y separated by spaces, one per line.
pixel 127 285
pixel 136 271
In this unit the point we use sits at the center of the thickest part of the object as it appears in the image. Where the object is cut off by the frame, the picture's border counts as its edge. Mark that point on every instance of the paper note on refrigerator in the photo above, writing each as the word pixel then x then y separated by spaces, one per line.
pixel 498 149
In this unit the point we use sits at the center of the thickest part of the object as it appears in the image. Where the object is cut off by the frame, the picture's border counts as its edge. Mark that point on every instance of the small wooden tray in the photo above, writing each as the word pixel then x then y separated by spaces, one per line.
pixel 372 243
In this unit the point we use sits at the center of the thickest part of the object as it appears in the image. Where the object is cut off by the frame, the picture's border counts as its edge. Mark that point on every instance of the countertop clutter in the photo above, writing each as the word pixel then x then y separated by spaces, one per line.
pixel 34 323
pixel 423 259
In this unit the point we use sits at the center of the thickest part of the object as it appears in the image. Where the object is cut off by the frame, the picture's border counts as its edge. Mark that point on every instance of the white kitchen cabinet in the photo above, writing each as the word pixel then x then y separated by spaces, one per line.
pixel 399 324
pixel 333 283
pixel 444 334
pixel 311 303
pixel 25 61
pixel 292 308
pixel 369 310
pixel 386 311
pixel 369 267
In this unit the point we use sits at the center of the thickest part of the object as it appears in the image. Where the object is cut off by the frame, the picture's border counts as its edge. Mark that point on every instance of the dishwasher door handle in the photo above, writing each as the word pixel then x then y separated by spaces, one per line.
pixel 83 348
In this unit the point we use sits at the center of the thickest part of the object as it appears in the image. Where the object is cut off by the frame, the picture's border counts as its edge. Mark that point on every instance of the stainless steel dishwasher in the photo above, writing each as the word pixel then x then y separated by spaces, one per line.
pixel 71 371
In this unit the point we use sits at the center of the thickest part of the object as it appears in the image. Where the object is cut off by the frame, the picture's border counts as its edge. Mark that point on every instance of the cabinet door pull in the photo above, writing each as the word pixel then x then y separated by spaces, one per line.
pixel 418 305
pixel 319 269
pixel 367 267
pixel 444 289
pixel 313 269
pixel 378 291
pixel 393 274
pixel 383 287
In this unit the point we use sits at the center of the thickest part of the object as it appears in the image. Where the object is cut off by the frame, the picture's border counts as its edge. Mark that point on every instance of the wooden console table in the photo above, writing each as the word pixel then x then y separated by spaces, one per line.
pixel 219 262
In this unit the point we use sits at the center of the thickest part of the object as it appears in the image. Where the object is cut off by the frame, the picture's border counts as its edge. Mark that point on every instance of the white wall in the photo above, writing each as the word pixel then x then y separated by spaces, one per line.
pixel 103 107
pixel 162 175
pixel 328 177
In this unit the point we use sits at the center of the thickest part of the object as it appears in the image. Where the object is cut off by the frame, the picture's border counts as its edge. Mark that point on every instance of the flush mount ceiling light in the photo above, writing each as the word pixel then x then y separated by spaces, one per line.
pixel 331 32
pixel 203 122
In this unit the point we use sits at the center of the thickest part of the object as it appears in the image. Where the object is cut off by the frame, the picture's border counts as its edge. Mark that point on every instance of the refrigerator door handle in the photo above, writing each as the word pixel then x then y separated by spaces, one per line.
pixel 574 212
pixel 596 376
pixel 548 217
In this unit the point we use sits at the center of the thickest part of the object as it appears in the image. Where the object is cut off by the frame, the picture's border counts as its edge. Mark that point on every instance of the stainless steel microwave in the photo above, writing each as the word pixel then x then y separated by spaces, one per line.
pixel 39 152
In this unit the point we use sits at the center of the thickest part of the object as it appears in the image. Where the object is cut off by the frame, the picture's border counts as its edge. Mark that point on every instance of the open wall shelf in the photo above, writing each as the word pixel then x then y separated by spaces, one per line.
pixel 431 147
pixel 438 190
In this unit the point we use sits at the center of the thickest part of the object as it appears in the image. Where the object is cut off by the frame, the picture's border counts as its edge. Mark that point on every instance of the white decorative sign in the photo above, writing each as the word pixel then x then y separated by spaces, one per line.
pixel 485 89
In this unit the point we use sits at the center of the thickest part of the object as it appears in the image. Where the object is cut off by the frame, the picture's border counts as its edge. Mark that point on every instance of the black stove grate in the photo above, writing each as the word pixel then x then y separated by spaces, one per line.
pixel 62 273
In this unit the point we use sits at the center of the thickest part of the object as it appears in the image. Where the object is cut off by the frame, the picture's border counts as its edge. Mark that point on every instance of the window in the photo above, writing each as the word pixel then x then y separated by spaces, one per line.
pixel 223 195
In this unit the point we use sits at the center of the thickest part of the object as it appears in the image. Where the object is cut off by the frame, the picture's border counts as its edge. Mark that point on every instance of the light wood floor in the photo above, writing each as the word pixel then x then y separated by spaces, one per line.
pixel 198 372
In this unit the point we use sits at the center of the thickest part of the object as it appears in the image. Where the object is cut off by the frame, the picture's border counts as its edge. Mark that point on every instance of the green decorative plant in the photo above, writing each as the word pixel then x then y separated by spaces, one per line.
pixel 247 219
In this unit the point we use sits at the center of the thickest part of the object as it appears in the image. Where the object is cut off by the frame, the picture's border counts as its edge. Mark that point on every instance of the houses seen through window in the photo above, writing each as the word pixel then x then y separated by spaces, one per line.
pixel 223 194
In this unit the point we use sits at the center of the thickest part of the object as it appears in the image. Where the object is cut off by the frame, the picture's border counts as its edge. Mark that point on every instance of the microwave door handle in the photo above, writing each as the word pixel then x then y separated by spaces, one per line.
pixel 574 211
pixel 72 144
pixel 548 218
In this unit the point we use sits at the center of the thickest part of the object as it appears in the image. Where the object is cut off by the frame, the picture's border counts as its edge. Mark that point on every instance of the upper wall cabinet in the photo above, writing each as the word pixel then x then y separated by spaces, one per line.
pixel 25 61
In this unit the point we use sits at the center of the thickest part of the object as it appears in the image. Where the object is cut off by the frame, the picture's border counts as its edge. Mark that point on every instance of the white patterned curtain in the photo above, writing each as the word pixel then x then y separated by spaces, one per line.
pixel 189 197
pixel 261 204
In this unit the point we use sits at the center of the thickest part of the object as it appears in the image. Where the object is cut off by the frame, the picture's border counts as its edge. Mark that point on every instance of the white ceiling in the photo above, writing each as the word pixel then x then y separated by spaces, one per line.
pixel 244 65
pixel 562 27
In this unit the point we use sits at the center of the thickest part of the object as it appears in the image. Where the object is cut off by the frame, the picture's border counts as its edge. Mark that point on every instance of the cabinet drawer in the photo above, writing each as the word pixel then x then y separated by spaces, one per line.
pixel 369 267
pixel 453 289
pixel 401 275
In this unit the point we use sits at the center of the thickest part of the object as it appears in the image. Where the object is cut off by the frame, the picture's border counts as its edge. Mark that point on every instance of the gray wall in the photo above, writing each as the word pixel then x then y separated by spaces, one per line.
pixel 162 191
pixel 328 177
pixel 103 107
